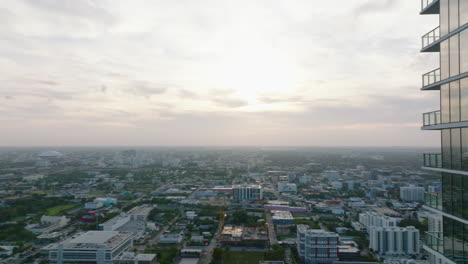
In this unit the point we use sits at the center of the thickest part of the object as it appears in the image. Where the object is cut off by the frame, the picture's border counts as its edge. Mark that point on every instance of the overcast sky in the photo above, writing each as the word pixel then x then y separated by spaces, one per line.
pixel 214 72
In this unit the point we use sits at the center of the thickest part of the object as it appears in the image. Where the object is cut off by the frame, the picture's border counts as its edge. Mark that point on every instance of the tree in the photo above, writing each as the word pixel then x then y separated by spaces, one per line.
pixel 277 253
pixel 217 255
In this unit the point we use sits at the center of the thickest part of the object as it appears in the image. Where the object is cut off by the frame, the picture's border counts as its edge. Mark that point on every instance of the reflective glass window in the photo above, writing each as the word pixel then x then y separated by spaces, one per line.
pixel 457 195
pixel 453 14
pixel 454 56
pixel 455 101
pixel 464 99
pixel 447 192
pixel 444 60
pixel 458 241
pixel 445 103
pixel 464 51
pixel 444 15
pixel 463 12
pixel 448 237
pixel 456 148
pixel 446 149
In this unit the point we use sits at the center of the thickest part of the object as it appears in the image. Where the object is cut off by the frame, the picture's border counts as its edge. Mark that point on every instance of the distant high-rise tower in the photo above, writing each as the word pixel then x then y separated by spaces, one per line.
pixel 450 40
pixel 243 193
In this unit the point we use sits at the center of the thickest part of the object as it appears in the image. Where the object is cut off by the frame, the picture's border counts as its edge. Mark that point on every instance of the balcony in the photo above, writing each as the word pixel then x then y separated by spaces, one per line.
pixel 430 7
pixel 430 78
pixel 429 41
pixel 433 160
pixel 434 241
pixel 431 118
pixel 433 200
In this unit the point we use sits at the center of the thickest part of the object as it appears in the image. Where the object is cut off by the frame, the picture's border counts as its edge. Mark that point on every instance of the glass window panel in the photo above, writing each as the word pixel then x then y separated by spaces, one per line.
pixel 448 238
pixel 464 50
pixel 456 148
pixel 444 60
pixel 446 150
pixel 465 246
pixel 465 202
pixel 444 15
pixel 445 103
pixel 464 99
pixel 454 56
pixel 455 101
pixel 458 241
pixel 453 14
pixel 457 195
pixel 464 139
pixel 447 192
pixel 463 12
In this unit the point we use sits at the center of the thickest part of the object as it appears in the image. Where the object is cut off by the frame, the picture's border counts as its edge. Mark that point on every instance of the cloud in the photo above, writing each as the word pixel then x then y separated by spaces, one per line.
pixel 284 73
pixel 146 89
pixel 374 6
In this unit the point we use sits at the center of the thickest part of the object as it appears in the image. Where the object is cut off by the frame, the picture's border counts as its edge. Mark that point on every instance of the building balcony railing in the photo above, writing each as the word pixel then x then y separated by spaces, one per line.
pixel 433 160
pixel 429 7
pixel 433 200
pixel 431 118
pixel 431 77
pixel 431 37
pixel 434 240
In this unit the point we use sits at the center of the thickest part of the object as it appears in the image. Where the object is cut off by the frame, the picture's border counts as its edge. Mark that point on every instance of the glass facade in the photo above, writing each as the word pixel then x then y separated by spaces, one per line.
pixel 455 148
pixel 454 101
pixel 453 200
pixel 454 245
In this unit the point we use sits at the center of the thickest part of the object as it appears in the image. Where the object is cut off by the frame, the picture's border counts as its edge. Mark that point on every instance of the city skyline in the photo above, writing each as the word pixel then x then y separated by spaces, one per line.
pixel 258 73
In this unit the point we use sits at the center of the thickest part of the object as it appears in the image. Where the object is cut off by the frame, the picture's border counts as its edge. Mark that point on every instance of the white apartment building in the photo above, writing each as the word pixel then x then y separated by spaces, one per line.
pixel 100 247
pixel 374 219
pixel 395 241
pixel 412 193
pixel 317 246
pixel 435 229
pixel 284 187
pixel 242 193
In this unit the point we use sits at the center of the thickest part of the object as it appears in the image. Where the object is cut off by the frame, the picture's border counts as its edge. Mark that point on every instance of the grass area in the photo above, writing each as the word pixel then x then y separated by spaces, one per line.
pixel 166 255
pixel 242 257
pixel 300 214
pixel 283 237
pixel 56 210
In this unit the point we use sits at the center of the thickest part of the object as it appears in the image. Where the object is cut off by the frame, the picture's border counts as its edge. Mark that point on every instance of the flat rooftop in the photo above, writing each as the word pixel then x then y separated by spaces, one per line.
pixel 114 220
pixel 282 215
pixel 140 210
pixel 94 239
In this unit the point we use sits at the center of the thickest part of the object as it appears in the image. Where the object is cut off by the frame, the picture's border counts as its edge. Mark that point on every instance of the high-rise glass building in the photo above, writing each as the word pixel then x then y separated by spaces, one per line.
pixel 449 40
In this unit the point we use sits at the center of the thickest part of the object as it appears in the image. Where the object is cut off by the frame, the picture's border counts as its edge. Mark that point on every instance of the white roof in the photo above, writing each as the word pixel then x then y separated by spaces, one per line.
pixel 94 237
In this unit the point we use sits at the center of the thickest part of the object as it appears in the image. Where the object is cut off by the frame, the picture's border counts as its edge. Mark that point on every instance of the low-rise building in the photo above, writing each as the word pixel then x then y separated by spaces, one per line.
pixel 100 247
pixel 284 187
pixel 48 224
pixel 171 239
pixel 282 217
pixel 243 235
pixel 132 258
